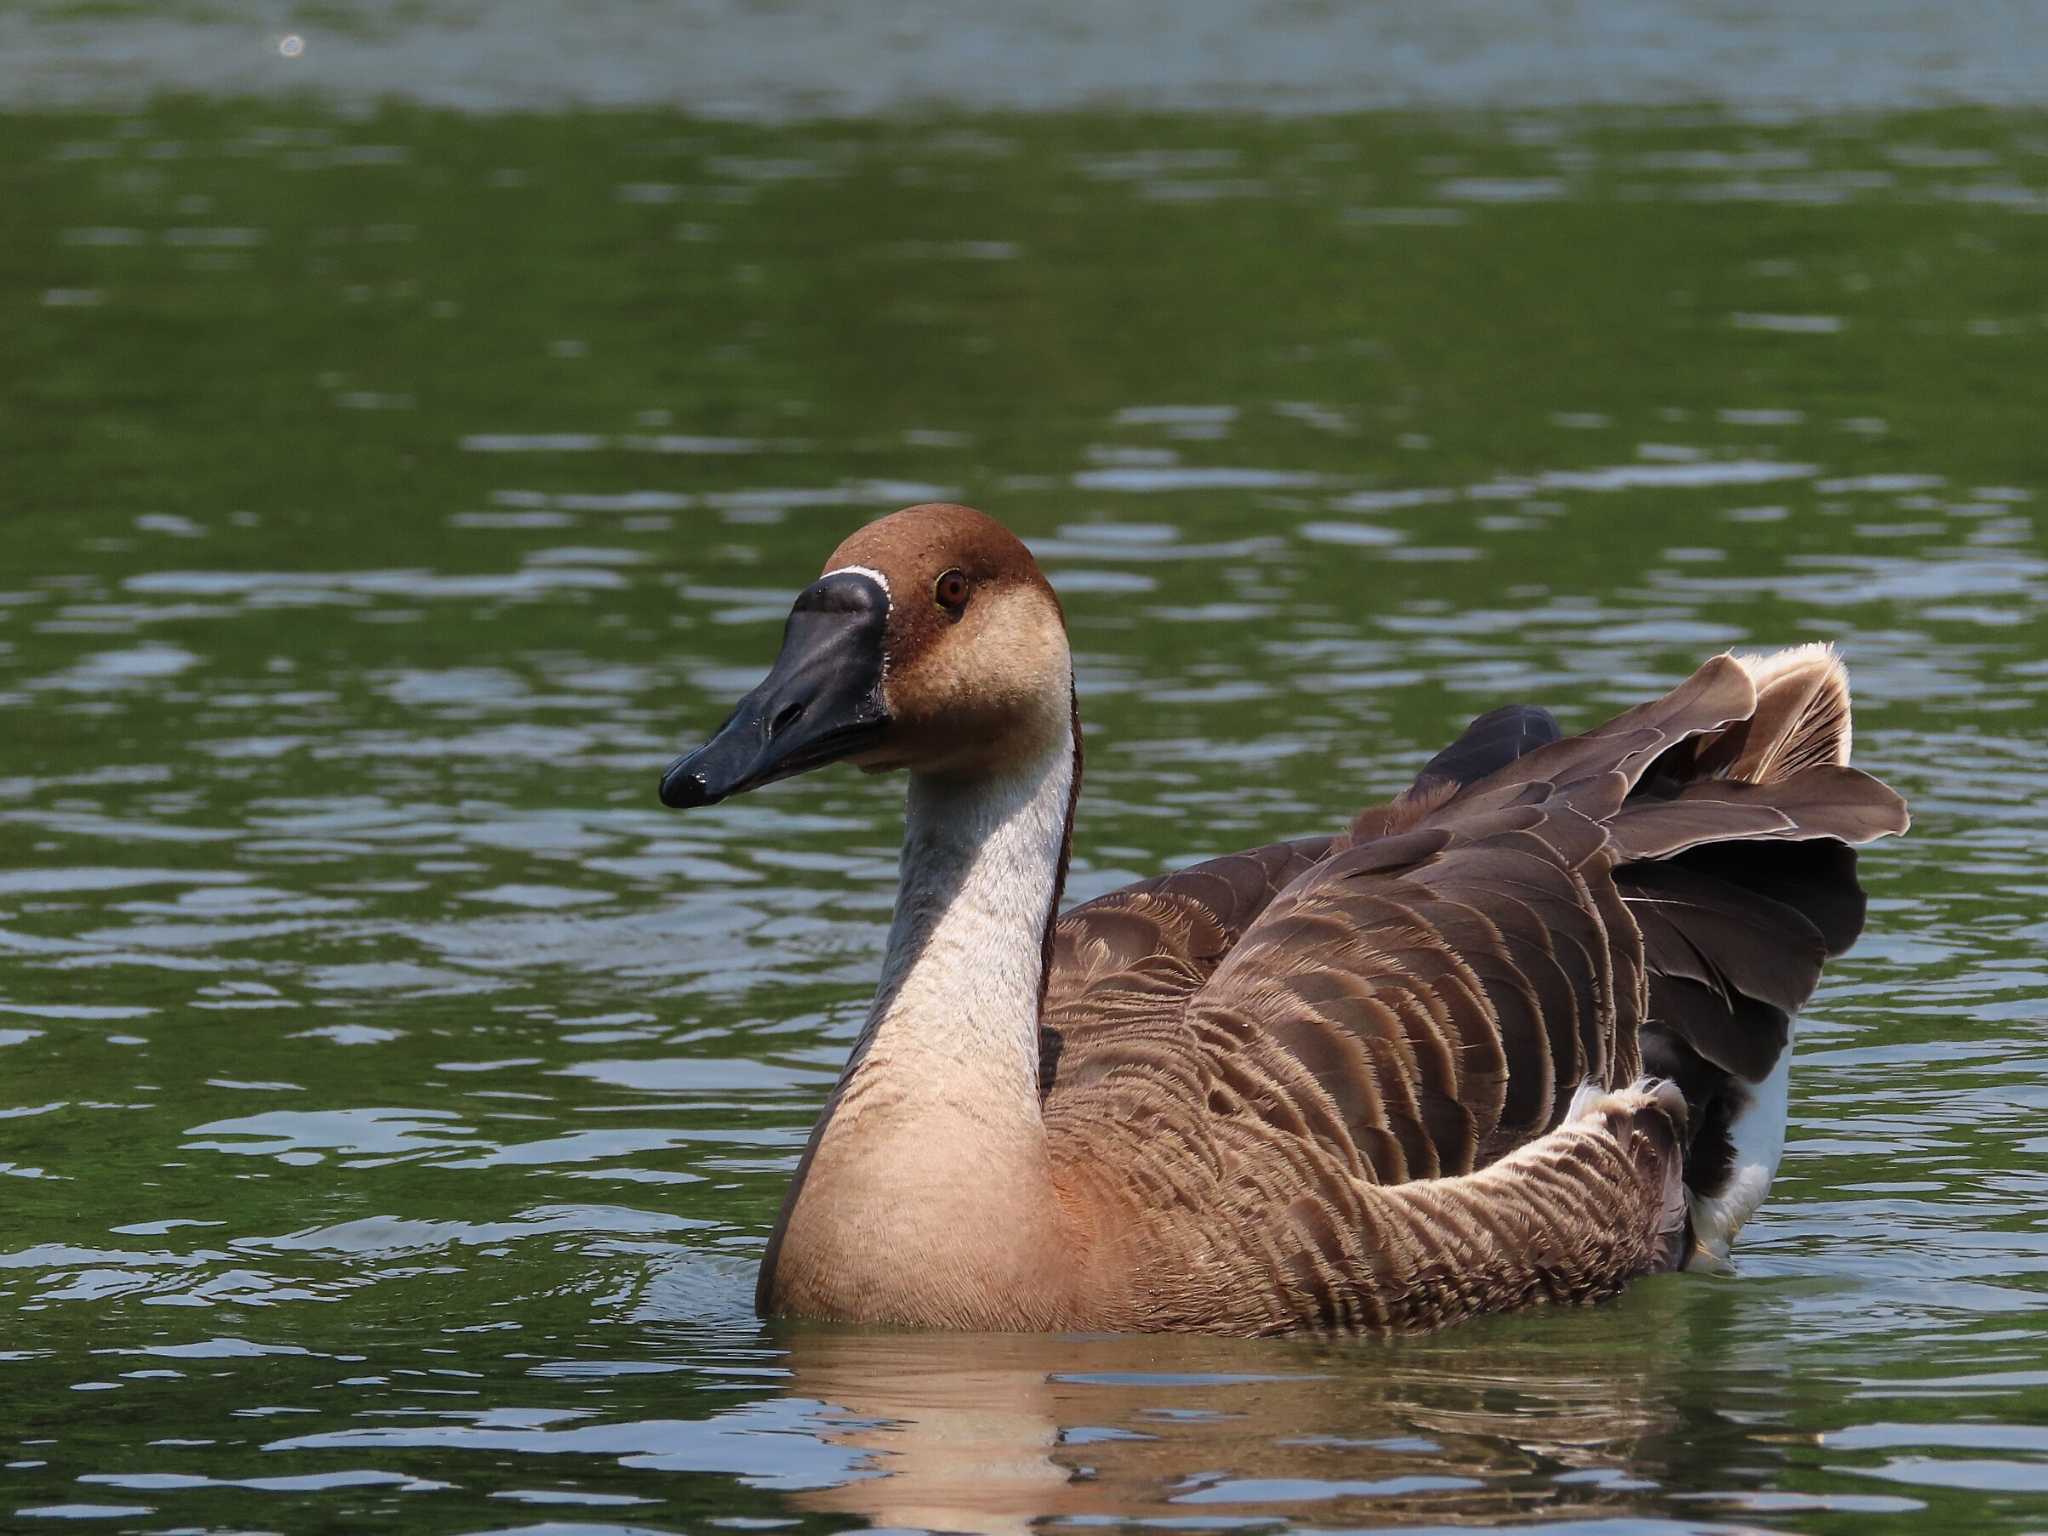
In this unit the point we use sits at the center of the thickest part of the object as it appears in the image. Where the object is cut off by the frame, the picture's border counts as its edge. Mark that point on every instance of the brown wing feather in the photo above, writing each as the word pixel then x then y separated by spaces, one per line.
pixel 1509 893
pixel 1282 1039
pixel 1142 950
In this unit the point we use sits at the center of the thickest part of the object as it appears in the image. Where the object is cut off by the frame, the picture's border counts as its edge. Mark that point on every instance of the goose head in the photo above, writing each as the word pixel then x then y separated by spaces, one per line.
pixel 931 643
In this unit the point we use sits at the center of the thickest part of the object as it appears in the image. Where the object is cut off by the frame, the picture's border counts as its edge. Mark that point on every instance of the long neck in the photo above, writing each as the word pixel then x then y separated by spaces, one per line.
pixel 930 1159
pixel 983 863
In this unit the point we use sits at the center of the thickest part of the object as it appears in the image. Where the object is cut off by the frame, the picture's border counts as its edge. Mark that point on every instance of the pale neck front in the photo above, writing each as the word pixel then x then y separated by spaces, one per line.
pixel 983 860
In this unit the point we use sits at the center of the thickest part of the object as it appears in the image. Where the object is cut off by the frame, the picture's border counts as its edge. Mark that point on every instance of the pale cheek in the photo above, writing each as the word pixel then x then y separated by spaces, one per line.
pixel 986 695
pixel 1003 669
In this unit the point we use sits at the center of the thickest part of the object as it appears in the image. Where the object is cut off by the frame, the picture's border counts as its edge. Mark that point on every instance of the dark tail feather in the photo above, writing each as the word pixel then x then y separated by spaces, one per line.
pixel 1489 743
pixel 1737 865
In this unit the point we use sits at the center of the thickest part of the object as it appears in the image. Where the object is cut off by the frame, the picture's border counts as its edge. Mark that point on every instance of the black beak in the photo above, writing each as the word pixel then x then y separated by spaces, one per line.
pixel 822 702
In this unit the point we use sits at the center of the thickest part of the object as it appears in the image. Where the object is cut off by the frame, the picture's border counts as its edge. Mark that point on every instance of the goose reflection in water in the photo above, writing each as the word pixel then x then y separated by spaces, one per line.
pixel 1570 1421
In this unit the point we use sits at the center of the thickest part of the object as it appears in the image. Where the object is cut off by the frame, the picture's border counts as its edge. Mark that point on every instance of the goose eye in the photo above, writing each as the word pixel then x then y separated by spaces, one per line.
pixel 951 592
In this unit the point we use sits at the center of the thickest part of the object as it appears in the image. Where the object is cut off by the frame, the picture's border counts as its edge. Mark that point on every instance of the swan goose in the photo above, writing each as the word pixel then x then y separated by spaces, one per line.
pixel 1517 1036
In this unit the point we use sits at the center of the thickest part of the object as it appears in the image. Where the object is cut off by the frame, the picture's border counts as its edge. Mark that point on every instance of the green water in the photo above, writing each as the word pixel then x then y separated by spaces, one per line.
pixel 394 1099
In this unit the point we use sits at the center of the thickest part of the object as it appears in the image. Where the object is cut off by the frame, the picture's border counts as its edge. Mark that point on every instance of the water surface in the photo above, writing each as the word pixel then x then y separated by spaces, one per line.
pixel 394 1099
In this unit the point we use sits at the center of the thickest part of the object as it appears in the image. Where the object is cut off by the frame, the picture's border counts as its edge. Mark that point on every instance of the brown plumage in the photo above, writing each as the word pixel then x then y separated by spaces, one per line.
pixel 1380 1079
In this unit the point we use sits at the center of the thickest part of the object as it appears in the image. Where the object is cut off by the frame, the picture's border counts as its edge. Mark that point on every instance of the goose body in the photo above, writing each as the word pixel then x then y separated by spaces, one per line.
pixel 1517 1036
